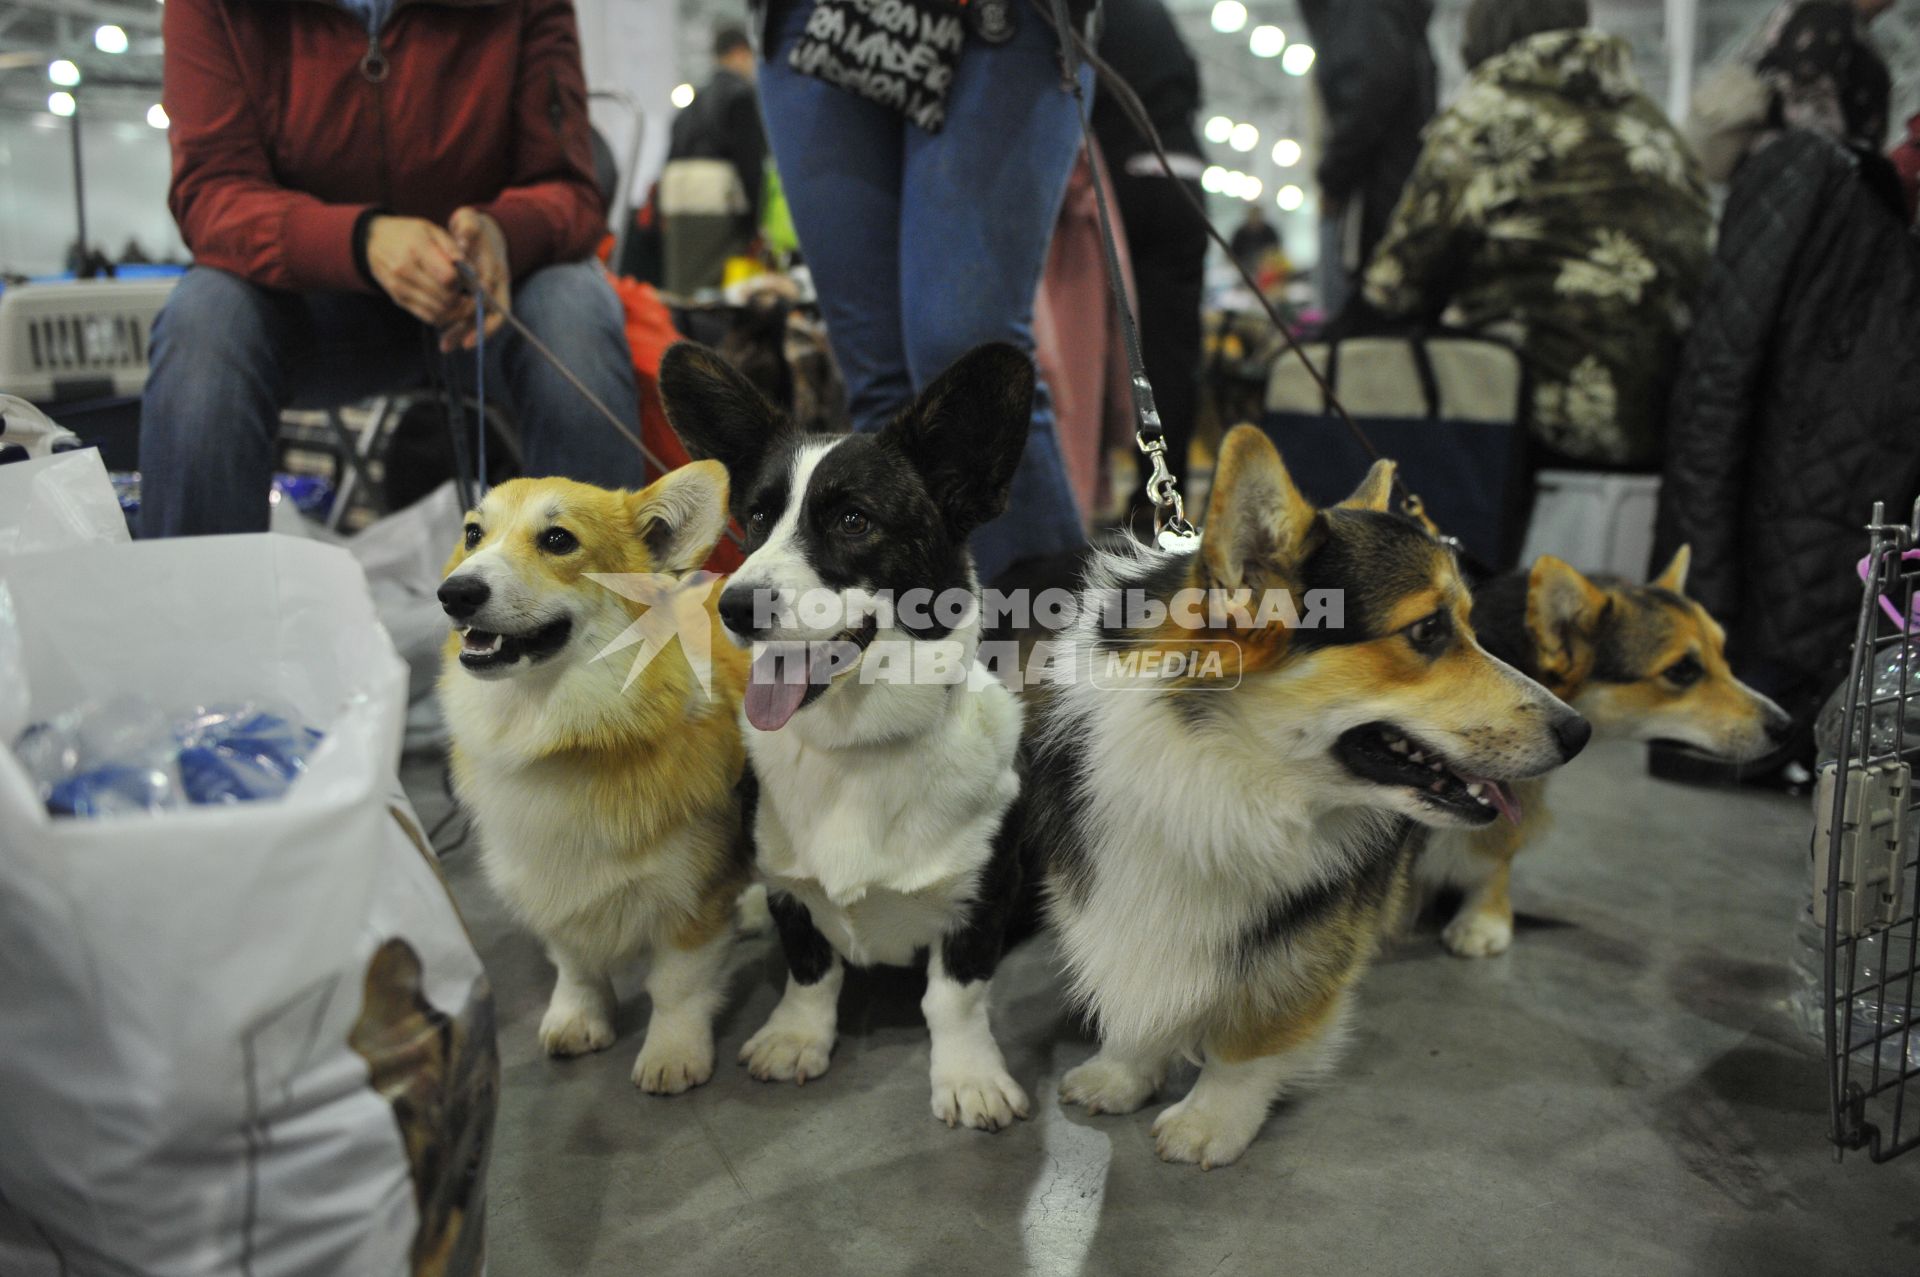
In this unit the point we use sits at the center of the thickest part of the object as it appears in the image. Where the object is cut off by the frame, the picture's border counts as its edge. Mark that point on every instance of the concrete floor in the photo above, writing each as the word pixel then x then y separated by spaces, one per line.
pixel 1622 1093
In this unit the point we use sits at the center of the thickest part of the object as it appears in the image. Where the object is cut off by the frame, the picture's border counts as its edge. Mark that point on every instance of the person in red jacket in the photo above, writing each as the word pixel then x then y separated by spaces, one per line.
pixel 331 164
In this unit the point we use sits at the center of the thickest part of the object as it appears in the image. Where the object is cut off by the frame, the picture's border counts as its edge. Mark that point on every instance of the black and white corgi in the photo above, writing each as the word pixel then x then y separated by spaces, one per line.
pixel 885 756
pixel 1226 844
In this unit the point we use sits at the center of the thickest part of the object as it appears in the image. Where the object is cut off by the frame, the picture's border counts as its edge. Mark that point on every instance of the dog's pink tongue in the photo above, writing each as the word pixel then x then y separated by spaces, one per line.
pixel 1504 800
pixel 776 685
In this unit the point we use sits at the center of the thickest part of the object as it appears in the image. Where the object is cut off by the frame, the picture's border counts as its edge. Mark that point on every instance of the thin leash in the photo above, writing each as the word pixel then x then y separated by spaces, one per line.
pixel 471 280
pixel 1149 435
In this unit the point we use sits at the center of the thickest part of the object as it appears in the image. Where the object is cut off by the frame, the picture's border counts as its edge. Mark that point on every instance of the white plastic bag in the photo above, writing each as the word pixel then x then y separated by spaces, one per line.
pixel 251 1038
pixel 49 503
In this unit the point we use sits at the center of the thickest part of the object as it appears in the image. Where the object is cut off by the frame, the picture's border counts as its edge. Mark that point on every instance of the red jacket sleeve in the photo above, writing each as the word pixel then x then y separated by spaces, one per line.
pixel 551 210
pixel 231 211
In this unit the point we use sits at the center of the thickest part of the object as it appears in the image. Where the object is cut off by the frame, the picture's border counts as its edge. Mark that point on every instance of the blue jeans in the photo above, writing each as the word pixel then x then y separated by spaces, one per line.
pixel 228 355
pixel 925 245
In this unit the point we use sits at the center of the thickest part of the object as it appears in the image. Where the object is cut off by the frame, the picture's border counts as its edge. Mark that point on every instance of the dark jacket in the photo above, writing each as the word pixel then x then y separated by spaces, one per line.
pixel 289 124
pixel 1377 80
pixel 1797 405
pixel 723 123
pixel 1140 40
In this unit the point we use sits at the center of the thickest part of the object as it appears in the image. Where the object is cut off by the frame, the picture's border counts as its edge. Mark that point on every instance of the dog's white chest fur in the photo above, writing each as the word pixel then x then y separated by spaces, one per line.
pixel 880 839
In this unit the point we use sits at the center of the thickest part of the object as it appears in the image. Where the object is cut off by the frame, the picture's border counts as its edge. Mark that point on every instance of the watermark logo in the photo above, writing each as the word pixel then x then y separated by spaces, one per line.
pixel 676 608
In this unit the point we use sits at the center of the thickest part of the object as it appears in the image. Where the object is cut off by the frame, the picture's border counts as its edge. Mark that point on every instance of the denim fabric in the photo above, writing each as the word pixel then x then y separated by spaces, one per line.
pixel 925 245
pixel 228 355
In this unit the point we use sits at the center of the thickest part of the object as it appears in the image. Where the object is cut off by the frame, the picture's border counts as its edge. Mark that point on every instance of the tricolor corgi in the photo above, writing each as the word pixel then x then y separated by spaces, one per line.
pixel 1641 662
pixel 885 755
pixel 1225 847
pixel 604 791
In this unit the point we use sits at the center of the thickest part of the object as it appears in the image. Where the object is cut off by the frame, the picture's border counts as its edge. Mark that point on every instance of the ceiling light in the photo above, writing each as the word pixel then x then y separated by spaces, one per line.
pixel 1266 42
pixel 1214 179
pixel 1244 137
pixel 157 116
pixel 63 73
pixel 1286 152
pixel 1290 198
pixel 1229 16
pixel 1250 189
pixel 683 96
pixel 1297 60
pixel 1219 129
pixel 61 103
pixel 110 39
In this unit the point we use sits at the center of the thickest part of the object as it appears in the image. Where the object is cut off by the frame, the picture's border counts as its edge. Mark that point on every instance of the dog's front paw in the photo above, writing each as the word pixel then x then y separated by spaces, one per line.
pixel 985 1101
pixel 1478 935
pixel 671 1062
pixel 573 1030
pixel 782 1055
pixel 1106 1086
pixel 1204 1135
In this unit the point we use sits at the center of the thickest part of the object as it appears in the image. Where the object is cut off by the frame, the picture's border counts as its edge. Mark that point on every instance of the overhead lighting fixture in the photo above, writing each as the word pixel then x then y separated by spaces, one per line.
pixel 683 96
pixel 1219 129
pixel 61 102
pixel 1250 189
pixel 1214 179
pixel 1266 42
pixel 110 39
pixel 1229 16
pixel 1244 137
pixel 1297 60
pixel 63 73
pixel 1286 152
pixel 1290 198
pixel 157 116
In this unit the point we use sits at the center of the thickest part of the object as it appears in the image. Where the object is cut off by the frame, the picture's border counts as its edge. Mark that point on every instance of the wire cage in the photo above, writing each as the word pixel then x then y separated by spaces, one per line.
pixel 1865 882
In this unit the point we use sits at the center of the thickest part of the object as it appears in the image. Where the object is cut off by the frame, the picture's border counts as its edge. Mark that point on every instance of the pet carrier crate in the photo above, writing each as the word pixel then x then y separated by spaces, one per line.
pixel 78 339
pixel 1864 879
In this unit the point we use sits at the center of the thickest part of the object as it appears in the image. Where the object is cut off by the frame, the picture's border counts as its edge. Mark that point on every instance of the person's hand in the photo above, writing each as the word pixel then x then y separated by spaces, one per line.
pixel 484 247
pixel 412 261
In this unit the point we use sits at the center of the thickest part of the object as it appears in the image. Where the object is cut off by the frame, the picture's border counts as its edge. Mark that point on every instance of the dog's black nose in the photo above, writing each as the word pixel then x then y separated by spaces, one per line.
pixel 1779 726
pixel 1572 734
pixel 462 596
pixel 737 610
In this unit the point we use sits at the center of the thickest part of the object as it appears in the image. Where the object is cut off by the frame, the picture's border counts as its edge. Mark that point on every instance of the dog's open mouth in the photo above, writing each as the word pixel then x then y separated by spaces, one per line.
pixel 489 649
pixel 787 676
pixel 1381 753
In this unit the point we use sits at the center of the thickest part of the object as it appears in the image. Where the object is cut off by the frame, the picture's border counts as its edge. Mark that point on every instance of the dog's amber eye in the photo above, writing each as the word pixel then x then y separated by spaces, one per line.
pixel 854 523
pixel 473 535
pixel 1429 633
pixel 559 541
pixel 1685 672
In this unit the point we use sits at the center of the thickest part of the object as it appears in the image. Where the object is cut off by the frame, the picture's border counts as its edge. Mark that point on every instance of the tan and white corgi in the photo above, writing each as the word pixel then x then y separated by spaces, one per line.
pixel 1641 662
pixel 603 791
pixel 1225 848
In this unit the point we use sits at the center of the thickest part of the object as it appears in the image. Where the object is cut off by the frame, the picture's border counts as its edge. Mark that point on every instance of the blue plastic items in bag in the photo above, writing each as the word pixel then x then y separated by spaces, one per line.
pixel 126 755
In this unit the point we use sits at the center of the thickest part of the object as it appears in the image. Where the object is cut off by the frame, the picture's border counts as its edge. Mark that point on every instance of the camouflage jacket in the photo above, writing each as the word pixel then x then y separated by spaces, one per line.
pixel 1554 204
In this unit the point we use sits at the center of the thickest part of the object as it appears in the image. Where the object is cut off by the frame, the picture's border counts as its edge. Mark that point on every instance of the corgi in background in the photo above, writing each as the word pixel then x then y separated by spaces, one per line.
pixel 883 799
pixel 1640 662
pixel 603 791
pixel 1225 850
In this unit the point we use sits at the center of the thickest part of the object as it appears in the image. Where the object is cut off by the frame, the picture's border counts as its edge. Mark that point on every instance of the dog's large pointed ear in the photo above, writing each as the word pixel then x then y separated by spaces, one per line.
pixel 1563 612
pixel 1257 520
pixel 1675 577
pixel 966 431
pixel 717 413
pixel 681 515
pixel 1376 490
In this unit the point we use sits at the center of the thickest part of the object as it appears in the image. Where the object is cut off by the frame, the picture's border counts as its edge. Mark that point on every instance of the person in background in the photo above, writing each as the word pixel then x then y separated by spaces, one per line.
pixel 926 228
pixel 331 167
pixel 1554 205
pixel 710 192
pixel 1905 158
pixel 1378 85
pixel 1253 240
pixel 1166 237
pixel 1811 66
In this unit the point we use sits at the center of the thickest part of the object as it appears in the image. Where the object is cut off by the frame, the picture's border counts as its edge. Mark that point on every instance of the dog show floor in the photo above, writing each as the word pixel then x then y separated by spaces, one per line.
pixel 1623 1092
